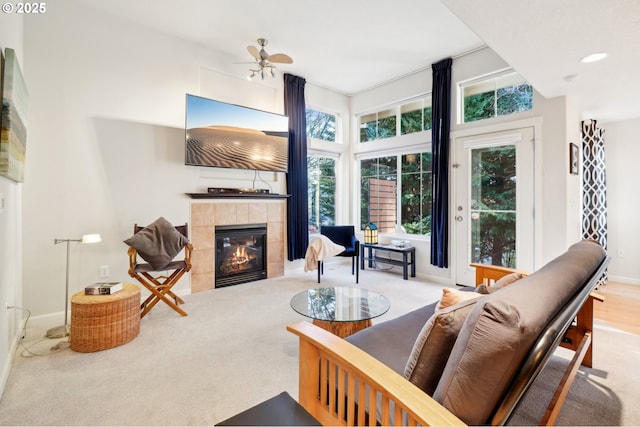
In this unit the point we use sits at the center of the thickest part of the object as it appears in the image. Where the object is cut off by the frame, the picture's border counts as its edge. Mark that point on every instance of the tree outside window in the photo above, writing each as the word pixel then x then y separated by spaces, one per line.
pixel 321 125
pixel 321 173
pixel 496 96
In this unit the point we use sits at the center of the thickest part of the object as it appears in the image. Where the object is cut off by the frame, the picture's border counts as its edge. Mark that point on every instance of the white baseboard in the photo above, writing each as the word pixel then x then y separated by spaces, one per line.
pixel 6 369
pixel 625 280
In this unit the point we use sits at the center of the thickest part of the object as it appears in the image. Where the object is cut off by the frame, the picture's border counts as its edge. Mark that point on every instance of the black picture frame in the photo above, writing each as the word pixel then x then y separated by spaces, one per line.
pixel 574 159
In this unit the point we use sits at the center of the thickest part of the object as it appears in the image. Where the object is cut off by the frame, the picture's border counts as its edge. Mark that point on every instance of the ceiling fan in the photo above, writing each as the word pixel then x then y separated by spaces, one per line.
pixel 265 61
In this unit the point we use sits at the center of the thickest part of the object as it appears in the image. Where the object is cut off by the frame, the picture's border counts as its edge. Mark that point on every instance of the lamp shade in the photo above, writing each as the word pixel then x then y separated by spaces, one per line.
pixel 371 234
pixel 91 238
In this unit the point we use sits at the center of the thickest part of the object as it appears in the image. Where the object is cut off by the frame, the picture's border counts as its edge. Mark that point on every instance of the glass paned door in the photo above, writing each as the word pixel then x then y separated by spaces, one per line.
pixel 494 197
pixel 493 206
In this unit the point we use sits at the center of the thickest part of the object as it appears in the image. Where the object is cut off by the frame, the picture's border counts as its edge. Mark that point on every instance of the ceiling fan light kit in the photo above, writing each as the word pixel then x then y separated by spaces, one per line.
pixel 264 61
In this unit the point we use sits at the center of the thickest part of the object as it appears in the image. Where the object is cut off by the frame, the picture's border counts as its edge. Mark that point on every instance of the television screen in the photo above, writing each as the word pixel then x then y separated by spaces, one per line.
pixel 231 136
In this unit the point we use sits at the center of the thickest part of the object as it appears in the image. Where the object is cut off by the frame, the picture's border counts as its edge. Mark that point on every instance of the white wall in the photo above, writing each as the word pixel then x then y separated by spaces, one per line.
pixel 106 145
pixel 11 321
pixel 623 204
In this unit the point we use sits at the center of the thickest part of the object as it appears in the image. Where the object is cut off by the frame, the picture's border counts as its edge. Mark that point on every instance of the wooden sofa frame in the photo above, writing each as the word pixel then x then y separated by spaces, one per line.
pixel 328 362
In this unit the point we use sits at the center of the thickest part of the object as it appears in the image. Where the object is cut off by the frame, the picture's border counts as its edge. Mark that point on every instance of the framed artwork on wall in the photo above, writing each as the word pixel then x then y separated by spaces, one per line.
pixel 574 156
pixel 13 130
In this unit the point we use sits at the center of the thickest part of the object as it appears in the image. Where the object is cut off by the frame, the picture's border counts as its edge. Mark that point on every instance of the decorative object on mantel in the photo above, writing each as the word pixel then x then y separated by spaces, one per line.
pixel 220 190
pixel 237 195
pixel 63 331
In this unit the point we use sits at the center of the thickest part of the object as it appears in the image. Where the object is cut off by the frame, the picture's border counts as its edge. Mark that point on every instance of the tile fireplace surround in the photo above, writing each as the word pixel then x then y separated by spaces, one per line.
pixel 206 214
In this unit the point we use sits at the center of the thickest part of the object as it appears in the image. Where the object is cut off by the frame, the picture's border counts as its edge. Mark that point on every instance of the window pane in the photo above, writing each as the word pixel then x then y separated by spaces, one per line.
pixel 496 96
pixel 427 118
pixel 321 125
pixel 377 125
pixel 386 126
pixel 514 99
pixel 480 106
pixel 415 116
pixel 411 121
pixel 378 193
pixel 416 193
pixel 494 178
pixel 493 205
pixel 493 237
pixel 380 198
pixel 322 190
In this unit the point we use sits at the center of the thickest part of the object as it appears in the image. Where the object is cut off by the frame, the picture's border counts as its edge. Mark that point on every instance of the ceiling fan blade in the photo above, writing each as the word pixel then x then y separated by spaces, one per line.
pixel 254 52
pixel 280 58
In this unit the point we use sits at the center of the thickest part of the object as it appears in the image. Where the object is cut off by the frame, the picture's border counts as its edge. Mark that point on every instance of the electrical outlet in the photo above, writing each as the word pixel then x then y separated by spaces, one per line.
pixel 104 271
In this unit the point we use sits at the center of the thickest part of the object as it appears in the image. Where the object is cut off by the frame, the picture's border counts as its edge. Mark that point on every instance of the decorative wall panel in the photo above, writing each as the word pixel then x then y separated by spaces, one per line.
pixel 594 183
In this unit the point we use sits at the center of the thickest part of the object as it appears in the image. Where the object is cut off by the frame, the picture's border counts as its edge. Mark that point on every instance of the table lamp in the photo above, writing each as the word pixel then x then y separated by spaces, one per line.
pixel 371 234
pixel 63 331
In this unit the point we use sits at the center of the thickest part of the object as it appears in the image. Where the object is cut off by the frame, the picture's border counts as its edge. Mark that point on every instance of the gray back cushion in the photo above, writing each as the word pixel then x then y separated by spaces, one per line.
pixel 501 329
pixel 433 345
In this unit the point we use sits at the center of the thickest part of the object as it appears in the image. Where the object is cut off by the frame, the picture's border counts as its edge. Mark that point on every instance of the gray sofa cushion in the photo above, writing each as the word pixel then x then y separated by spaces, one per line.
pixel 501 329
pixel 391 342
pixel 434 343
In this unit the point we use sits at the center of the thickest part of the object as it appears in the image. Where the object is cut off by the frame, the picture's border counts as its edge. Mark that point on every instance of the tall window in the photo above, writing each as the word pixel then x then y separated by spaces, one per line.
pixel 322 127
pixel 498 95
pixel 322 192
pixel 396 191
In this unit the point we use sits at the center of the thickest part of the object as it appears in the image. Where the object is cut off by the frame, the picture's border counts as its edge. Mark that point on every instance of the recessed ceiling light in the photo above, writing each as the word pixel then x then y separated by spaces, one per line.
pixel 594 57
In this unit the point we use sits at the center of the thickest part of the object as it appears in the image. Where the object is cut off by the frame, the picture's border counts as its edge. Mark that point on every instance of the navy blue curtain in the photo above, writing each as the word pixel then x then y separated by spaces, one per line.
pixel 297 211
pixel 441 125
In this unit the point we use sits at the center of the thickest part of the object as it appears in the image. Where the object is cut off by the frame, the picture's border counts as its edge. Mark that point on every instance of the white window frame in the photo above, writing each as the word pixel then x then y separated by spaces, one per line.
pixel 485 78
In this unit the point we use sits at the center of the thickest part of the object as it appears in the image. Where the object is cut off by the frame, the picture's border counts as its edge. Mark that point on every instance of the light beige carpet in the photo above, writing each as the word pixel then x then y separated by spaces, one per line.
pixel 232 352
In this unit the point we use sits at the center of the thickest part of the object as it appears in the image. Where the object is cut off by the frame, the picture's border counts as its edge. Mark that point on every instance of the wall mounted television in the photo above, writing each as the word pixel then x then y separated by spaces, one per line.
pixel 218 134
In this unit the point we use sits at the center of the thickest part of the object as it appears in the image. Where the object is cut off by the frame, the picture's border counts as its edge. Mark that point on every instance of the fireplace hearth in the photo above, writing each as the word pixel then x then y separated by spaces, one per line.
pixel 241 252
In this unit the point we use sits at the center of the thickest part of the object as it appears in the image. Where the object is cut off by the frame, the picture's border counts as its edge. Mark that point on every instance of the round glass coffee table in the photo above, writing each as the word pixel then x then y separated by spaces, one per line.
pixel 340 310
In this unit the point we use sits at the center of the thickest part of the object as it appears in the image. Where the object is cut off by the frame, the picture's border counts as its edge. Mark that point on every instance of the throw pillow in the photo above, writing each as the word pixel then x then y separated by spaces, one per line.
pixel 507 280
pixel 452 296
pixel 434 343
pixel 158 243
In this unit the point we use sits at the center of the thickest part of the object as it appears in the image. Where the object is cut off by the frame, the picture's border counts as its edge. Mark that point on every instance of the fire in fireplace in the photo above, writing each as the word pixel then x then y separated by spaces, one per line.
pixel 241 254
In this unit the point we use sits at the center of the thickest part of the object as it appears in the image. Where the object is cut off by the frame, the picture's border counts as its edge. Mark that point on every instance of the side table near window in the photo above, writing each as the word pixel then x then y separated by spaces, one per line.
pixel 408 257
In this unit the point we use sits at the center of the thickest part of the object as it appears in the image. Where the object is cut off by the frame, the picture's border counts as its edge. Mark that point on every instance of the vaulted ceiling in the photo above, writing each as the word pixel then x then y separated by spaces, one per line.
pixel 355 45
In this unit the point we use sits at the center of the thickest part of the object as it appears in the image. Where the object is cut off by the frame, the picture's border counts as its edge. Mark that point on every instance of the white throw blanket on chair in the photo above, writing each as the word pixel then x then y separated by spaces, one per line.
pixel 320 247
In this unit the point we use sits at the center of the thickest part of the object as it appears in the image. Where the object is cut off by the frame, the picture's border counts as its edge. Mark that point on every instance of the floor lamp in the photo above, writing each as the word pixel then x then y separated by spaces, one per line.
pixel 63 331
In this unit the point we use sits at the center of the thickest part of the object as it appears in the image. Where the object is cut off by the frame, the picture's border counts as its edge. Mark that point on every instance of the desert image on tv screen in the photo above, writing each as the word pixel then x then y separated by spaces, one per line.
pixel 231 136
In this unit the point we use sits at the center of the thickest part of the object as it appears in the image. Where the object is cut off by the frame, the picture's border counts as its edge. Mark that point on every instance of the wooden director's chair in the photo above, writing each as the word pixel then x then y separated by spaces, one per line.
pixel 160 285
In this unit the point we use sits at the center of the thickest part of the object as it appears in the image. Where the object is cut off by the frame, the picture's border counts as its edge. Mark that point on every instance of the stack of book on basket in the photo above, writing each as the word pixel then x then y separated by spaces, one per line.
pixel 103 288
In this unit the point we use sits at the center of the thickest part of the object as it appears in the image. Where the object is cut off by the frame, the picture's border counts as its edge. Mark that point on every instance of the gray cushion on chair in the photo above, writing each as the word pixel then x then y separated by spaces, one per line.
pixel 158 243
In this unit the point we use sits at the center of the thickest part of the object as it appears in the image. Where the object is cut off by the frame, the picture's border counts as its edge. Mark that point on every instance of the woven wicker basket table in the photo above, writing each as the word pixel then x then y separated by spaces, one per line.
pixel 100 322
